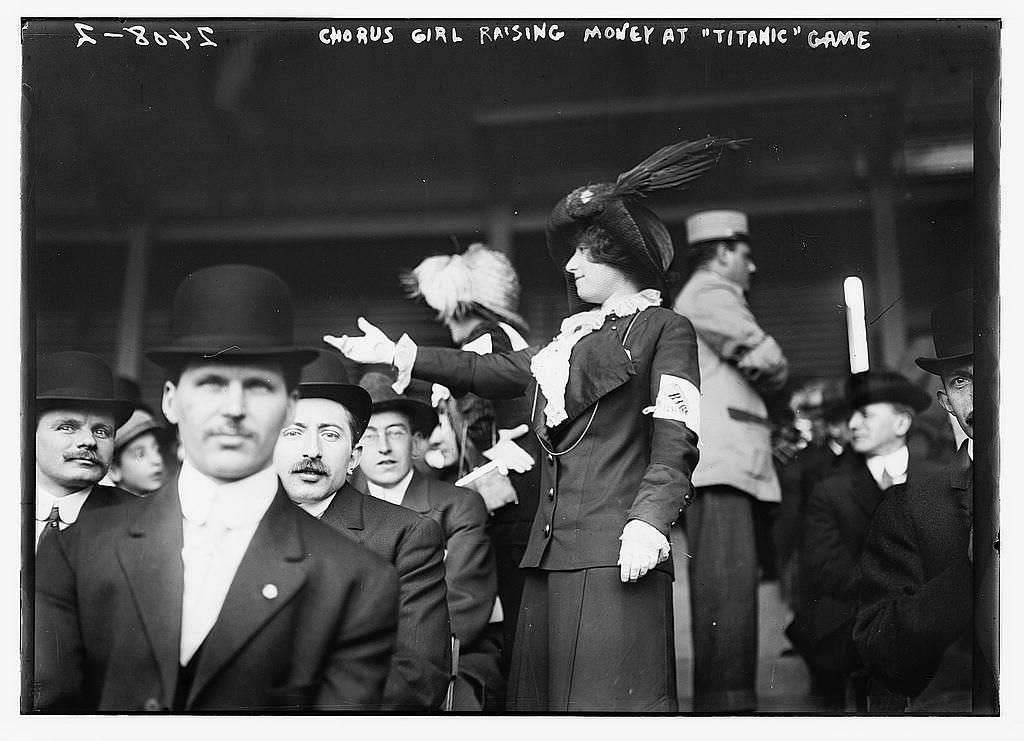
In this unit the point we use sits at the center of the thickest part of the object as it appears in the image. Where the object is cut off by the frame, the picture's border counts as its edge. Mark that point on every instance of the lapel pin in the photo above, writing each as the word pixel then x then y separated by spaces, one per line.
pixel 269 591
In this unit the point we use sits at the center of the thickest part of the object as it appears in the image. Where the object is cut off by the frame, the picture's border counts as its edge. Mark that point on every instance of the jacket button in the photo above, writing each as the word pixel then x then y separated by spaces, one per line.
pixel 547 530
pixel 151 705
pixel 551 493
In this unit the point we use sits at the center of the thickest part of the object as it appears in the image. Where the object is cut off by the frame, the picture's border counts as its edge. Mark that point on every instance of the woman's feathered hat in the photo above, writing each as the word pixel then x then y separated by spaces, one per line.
pixel 479 278
pixel 618 208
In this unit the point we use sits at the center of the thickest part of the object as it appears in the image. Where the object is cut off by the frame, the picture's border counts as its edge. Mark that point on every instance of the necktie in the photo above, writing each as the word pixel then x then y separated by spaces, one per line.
pixel 886 481
pixel 52 523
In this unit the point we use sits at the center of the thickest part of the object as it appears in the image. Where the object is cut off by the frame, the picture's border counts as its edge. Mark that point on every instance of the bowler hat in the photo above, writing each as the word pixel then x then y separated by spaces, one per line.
pixel 717 226
pixel 952 331
pixel 231 311
pixel 79 379
pixel 327 378
pixel 422 417
pixel 871 387
pixel 137 425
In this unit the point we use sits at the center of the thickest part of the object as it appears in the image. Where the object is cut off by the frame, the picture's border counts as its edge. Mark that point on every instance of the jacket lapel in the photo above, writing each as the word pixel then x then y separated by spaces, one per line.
pixel 417 496
pixel 271 572
pixel 151 560
pixel 345 510
pixel 599 364
pixel 864 490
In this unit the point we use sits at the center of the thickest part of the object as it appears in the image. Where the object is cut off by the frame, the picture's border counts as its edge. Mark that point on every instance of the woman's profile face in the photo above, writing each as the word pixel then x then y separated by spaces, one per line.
pixel 596 282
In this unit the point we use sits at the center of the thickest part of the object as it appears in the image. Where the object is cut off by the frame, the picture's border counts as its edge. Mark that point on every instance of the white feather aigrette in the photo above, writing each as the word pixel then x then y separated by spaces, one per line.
pixel 444 282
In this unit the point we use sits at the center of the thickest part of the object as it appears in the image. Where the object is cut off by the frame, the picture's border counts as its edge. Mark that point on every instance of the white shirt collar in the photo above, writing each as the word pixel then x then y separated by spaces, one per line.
pixel 970 448
pixel 895 463
pixel 395 494
pixel 69 505
pixel 235 504
pixel 317 508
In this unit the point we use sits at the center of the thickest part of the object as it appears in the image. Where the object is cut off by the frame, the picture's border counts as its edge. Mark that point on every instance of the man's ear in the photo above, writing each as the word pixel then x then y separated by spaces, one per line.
pixel 355 457
pixel 943 398
pixel 167 402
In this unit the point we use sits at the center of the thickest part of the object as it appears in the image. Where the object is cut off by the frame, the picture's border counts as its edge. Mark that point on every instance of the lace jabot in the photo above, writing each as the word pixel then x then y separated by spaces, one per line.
pixel 550 366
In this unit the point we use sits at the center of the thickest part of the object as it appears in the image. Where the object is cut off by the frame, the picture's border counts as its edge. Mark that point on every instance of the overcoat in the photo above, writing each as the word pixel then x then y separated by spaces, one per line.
pixel 836 524
pixel 308 622
pixel 736 441
pixel 414 545
pixel 916 599
pixel 609 462
pixel 470 574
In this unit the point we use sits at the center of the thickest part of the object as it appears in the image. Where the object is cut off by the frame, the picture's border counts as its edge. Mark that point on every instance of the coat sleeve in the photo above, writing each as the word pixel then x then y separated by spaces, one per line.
pixel 666 488
pixel 904 622
pixel 827 563
pixel 726 323
pixel 469 567
pixel 59 653
pixel 494 376
pixel 422 661
pixel 357 665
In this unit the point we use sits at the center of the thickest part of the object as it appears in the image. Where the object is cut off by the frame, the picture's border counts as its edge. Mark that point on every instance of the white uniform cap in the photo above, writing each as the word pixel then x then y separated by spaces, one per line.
pixel 711 225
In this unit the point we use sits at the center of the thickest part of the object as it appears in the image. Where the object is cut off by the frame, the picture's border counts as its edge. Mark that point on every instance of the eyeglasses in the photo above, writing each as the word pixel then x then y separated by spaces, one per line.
pixel 391 434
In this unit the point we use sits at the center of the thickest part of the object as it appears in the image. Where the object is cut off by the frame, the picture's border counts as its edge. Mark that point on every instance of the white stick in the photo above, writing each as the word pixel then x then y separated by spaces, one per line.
pixel 477 473
pixel 856 328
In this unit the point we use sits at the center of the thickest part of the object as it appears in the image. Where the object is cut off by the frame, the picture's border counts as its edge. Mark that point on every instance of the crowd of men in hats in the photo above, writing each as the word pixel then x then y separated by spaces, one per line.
pixel 302 557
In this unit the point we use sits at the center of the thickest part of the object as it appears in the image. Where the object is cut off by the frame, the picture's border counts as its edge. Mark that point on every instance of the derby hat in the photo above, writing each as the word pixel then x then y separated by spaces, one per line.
pixel 231 311
pixel 952 331
pixel 327 378
pixel 422 417
pixel 618 208
pixel 79 379
pixel 137 425
pixel 717 226
pixel 873 386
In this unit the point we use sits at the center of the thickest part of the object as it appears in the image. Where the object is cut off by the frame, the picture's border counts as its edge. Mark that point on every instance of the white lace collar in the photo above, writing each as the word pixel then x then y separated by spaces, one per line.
pixel 550 366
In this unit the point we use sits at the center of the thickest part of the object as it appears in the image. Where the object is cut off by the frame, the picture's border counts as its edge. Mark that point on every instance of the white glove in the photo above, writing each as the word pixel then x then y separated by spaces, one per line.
pixel 495 489
pixel 643 547
pixel 508 455
pixel 373 347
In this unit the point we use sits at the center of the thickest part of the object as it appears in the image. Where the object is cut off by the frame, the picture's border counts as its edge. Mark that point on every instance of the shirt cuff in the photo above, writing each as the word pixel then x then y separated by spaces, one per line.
pixel 405 359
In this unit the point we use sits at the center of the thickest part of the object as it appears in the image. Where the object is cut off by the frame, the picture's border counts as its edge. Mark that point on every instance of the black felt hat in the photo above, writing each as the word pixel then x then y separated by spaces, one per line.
pixel 79 379
pixel 871 387
pixel 231 311
pixel 422 417
pixel 619 210
pixel 328 378
pixel 952 331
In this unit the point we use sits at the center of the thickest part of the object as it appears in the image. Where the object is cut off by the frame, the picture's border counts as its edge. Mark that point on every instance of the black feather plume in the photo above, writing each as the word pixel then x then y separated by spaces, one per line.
pixel 674 166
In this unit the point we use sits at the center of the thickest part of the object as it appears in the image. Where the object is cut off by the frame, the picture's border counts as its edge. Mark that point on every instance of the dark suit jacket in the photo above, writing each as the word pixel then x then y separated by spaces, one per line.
pixel 108 617
pixel 414 545
pixel 916 596
pixel 836 524
pixel 627 465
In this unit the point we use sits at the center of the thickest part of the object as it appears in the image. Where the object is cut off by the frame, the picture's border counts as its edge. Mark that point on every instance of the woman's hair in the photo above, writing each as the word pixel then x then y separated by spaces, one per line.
pixel 601 247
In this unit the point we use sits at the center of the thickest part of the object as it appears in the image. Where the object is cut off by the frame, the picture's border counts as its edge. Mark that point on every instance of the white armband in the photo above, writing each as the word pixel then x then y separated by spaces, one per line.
pixel 677 399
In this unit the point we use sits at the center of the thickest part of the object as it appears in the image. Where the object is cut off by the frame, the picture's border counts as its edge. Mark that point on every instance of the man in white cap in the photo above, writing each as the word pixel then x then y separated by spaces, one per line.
pixel 739 362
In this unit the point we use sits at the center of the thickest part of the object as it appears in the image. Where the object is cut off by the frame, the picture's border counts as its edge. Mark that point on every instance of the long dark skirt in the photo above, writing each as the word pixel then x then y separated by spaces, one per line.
pixel 586 642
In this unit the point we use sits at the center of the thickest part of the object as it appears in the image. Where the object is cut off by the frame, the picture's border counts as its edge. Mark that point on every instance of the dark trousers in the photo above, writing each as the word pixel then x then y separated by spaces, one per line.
pixel 723 599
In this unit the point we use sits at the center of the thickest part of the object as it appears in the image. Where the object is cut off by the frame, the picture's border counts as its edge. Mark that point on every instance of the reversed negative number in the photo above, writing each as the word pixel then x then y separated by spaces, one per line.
pixel 204 36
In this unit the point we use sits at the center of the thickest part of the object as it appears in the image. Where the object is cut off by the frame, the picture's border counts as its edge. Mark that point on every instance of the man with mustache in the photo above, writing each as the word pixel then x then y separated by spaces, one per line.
pixel 313 457
pixel 77 415
pixel 216 594
pixel 398 426
pixel 915 627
